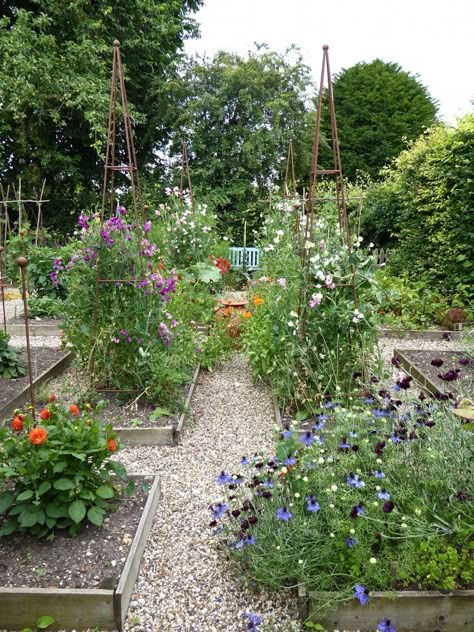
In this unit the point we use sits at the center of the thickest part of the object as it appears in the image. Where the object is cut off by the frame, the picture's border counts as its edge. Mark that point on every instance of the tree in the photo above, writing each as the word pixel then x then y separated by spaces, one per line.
pixel 55 60
pixel 379 107
pixel 237 115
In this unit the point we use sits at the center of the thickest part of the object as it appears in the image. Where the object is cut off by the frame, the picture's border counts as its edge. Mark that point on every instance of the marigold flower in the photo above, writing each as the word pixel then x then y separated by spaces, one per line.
pixel 45 414
pixel 74 409
pixel 17 424
pixel 247 314
pixel 38 436
pixel 111 445
pixel 258 300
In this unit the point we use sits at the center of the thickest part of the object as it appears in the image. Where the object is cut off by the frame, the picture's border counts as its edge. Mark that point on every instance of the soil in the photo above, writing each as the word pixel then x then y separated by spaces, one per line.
pixel 42 358
pixel 462 386
pixel 93 559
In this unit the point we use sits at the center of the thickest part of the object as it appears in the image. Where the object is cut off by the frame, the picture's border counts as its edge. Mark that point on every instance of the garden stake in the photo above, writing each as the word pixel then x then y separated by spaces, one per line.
pixel 2 290
pixel 22 263
pixel 185 168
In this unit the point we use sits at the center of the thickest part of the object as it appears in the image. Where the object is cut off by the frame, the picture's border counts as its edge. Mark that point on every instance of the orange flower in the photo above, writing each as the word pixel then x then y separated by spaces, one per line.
pixel 247 314
pixel 111 445
pixel 37 436
pixel 74 409
pixel 258 300
pixel 52 397
pixel 228 311
pixel 17 424
pixel 45 414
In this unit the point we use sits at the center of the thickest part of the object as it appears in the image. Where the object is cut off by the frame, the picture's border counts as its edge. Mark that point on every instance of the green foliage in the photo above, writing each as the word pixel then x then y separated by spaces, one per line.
pixel 238 115
pixel 42 623
pixel 378 107
pixel 55 84
pixel 57 475
pixel 44 307
pixel 432 180
pixel 216 346
pixel 10 365
pixel 369 489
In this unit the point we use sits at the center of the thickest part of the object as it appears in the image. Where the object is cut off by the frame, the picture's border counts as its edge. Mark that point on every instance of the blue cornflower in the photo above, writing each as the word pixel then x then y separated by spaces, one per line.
pixel 395 439
pixel 253 621
pixel 224 478
pixel 244 461
pixel 354 481
pixel 286 434
pixel 379 474
pixel 396 388
pixel 344 445
pixel 219 510
pixel 385 625
pixel 361 593
pixel 322 417
pixel 284 514
pixel 245 541
pixel 329 405
pixel 383 495
pixel 350 542
pixel 289 461
pixel 379 412
pixel 307 438
pixel 312 504
pixel 268 483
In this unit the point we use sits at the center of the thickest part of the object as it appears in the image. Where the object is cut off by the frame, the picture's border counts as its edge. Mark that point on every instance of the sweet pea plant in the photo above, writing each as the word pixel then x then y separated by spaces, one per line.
pixel 134 341
pixel 373 497
pixel 307 362
pixel 58 474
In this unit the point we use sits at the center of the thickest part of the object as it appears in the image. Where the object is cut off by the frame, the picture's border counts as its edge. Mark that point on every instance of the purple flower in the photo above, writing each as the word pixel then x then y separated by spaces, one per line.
pixel 379 474
pixel 396 361
pixel 245 541
pixel 385 625
pixel 284 514
pixel 350 542
pixel 388 506
pixel 437 362
pixel 289 461
pixel 307 438
pixel 286 434
pixel 312 505
pixel 344 446
pixel 219 510
pixel 268 483
pixel 383 495
pixel 361 593
pixel 464 361
pixel 450 375
pixel 244 461
pixel 369 400
pixel 357 510
pixel 224 478
pixel 253 621
pixel 354 481
pixel 83 221
pixel 147 226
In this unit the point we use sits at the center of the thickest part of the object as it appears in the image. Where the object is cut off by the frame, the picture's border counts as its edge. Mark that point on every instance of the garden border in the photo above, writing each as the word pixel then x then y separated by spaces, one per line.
pixel 413 334
pixel 24 395
pixel 165 435
pixel 82 608
pixel 423 611
pixel 426 384
pixel 35 328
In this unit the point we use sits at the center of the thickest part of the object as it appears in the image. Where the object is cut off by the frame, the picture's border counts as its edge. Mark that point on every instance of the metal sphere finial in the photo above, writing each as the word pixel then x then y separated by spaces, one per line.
pixel 325 47
pixel 116 42
pixel 22 262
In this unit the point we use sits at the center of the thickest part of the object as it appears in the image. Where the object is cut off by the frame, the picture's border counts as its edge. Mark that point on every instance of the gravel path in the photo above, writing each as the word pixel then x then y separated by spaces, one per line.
pixel 185 584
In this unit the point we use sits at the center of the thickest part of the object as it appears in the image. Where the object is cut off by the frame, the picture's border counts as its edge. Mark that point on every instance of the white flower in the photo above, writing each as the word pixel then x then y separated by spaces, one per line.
pixel 280 233
pixel 373 560
pixel 294 314
pixel 334 488
pixel 291 323
pixel 297 495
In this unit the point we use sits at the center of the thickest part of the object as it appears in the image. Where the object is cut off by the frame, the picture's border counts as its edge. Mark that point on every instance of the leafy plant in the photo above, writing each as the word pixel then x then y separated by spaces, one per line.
pixel 44 306
pixel 42 623
pixel 58 474
pixel 10 365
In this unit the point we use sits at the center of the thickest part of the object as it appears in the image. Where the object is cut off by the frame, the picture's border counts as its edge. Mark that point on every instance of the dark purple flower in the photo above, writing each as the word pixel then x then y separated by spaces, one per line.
pixel 450 375
pixel 385 625
pixel 437 362
pixel 235 513
pixel 284 514
pixel 464 361
pixel 379 446
pixel 462 496
pixel 388 506
pixel 396 361
pixel 361 593
pixel 312 505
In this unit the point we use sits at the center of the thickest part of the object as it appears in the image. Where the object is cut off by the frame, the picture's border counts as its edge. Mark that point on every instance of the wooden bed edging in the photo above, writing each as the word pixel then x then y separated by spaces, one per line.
pixel 83 608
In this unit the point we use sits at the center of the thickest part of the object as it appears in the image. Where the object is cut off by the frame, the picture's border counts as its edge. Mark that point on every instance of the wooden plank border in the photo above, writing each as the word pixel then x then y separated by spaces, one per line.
pixel 413 334
pixel 409 611
pixel 164 435
pixel 80 608
pixel 35 328
pixel 24 395
pixel 426 384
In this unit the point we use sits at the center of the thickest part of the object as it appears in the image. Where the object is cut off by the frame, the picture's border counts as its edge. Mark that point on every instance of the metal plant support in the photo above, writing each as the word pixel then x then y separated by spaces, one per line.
pixel 185 172
pixel 316 171
pixel 111 167
pixel 290 172
pixel 2 289
pixel 22 263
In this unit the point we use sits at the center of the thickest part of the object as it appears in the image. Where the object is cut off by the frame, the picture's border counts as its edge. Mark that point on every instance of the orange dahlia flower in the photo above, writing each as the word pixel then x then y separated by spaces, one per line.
pixel 17 424
pixel 45 414
pixel 37 436
pixel 74 409
pixel 111 445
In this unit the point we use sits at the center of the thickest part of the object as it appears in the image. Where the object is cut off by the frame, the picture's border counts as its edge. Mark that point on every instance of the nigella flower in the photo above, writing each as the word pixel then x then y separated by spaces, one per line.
pixel 350 542
pixel 385 625
pixel 219 510
pixel 396 387
pixel 354 481
pixel 379 474
pixel 379 412
pixel 344 446
pixel 245 541
pixel 286 434
pixel 284 514
pixel 383 495
pixel 330 404
pixel 388 506
pixel 320 423
pixel 253 621
pixel 244 461
pixel 437 362
pixel 395 439
pixel 224 478
pixel 404 382
pixel 307 438
pixel 289 461
pixel 361 593
pixel 312 505
pixel 357 510
pixel 268 483
pixel 369 400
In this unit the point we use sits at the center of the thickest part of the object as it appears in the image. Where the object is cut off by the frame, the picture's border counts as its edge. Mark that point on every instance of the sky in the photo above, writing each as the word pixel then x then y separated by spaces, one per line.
pixel 430 38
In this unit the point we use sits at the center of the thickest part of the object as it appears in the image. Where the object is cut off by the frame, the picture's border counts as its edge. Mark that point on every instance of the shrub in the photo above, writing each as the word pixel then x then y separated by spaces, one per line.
pixel 10 365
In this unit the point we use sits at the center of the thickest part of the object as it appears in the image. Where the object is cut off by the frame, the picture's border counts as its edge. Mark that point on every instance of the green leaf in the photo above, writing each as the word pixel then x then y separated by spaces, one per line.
pixel 77 511
pixel 63 484
pixel 6 500
pixel 159 412
pixel 44 622
pixel 95 516
pixel 59 467
pixel 44 487
pixel 105 491
pixel 8 527
pixel 301 415
pixel 56 511
pixel 28 493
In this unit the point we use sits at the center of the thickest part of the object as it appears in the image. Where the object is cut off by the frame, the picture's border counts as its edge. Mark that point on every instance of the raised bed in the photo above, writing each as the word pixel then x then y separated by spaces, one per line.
pixel 417 362
pixel 413 334
pixel 409 611
pixel 159 435
pixel 43 327
pixel 80 609
pixel 20 387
